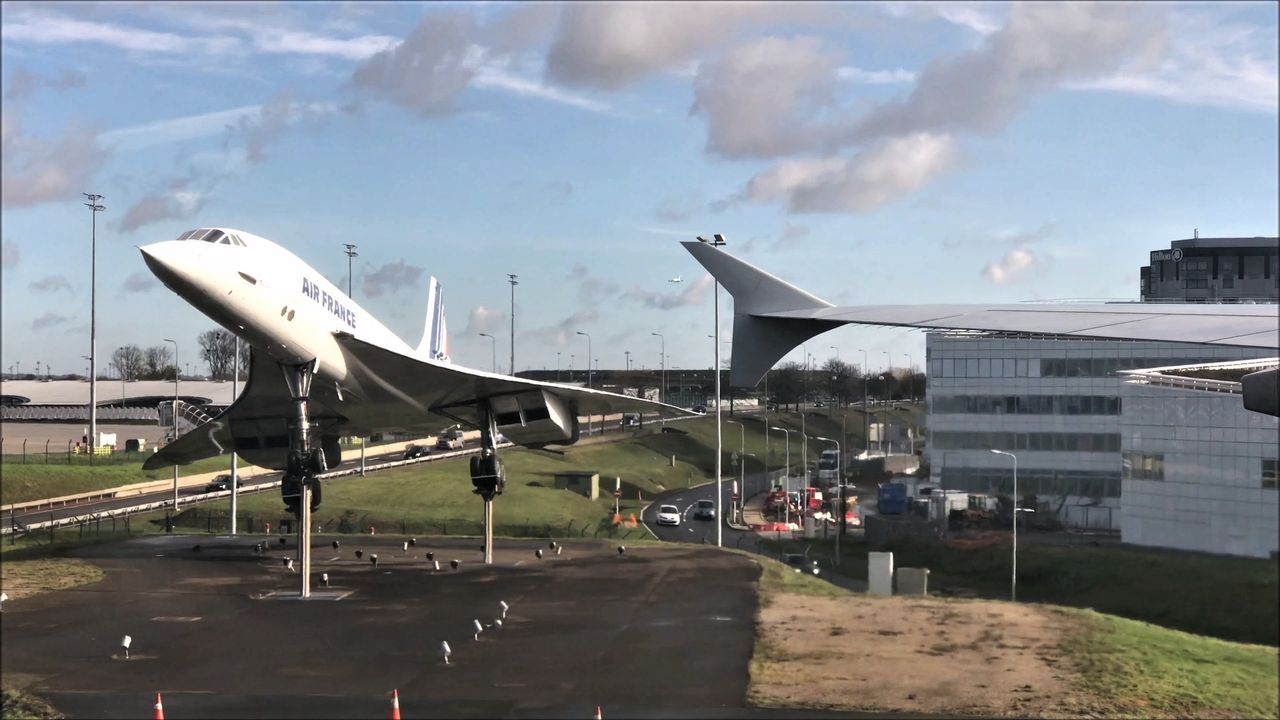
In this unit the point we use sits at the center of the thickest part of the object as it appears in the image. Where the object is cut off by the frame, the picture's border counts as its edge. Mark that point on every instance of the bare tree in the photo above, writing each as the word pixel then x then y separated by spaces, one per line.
pixel 157 361
pixel 217 349
pixel 129 361
pixel 786 384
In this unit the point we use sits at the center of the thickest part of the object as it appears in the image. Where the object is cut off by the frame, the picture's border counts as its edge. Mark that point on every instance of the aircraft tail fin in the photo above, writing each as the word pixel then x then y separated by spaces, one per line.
pixel 435 336
pixel 759 340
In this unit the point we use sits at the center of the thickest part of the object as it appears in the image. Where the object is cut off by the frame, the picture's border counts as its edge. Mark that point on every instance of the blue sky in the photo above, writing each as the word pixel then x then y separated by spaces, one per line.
pixel 870 153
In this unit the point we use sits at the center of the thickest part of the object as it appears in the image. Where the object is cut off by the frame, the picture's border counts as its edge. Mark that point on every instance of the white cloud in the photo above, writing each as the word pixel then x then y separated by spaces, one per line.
pixel 498 79
pixel 864 182
pixel 50 319
pixel 1043 46
pixel 9 255
pixel 304 43
pixel 767 98
pixel 190 127
pixel 174 204
pixel 52 284
pixel 482 319
pixel 1010 267
pixel 390 278
pixel 139 282
pixel 429 70
pixel 876 77
pixel 35 170
pixel 1207 63
pixel 50 28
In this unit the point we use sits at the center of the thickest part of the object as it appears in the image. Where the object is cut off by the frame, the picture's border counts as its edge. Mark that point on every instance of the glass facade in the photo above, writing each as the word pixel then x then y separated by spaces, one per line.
pixel 999 481
pixel 1027 405
pixel 1044 441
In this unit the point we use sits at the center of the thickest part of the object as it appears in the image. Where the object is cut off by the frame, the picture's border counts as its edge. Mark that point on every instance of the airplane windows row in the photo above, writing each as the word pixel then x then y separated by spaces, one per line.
pixel 211 235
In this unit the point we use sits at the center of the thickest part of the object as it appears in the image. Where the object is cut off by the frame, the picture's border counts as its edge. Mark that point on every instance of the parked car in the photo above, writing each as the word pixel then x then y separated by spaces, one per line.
pixel 630 420
pixel 668 515
pixel 222 482
pixel 700 409
pixel 704 510
pixel 416 451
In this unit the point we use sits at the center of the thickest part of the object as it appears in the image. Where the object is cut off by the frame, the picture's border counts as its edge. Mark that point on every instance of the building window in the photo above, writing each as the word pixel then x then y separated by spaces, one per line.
pixel 1196 284
pixel 1142 466
pixel 1270 473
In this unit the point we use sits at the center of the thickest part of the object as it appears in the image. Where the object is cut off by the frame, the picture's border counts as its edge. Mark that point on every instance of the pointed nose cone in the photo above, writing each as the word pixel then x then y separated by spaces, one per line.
pixel 167 261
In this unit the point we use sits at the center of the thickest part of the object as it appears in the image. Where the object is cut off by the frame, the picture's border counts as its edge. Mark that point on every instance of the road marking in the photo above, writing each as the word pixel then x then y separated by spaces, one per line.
pixel 176 618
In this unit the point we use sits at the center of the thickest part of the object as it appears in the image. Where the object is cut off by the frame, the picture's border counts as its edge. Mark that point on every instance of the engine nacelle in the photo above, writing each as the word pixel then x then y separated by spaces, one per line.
pixel 535 418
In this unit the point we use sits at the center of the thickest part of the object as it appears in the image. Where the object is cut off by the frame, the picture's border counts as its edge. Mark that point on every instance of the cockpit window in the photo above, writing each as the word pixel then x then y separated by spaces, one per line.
pixel 210 235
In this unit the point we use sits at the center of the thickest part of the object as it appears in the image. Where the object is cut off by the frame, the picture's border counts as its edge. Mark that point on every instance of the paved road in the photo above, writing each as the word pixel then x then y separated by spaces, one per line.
pixel 586 628
pixel 691 529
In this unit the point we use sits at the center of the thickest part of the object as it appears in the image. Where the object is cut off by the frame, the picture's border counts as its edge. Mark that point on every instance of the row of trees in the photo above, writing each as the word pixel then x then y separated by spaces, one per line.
pixel 217 350
pixel 791 383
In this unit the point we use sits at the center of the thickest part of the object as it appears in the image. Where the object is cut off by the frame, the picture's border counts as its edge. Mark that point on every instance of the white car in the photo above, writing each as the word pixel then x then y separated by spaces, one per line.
pixel 668 515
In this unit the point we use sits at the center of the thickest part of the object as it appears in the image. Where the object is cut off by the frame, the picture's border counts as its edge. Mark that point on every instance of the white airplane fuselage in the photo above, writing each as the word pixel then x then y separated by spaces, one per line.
pixel 270 297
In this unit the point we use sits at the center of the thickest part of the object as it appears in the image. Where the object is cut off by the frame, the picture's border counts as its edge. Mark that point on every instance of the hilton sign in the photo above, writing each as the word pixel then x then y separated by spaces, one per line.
pixel 1174 255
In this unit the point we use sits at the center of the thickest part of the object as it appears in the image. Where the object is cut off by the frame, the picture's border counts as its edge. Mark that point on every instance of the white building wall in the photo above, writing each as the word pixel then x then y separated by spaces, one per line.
pixel 991 365
pixel 1210 497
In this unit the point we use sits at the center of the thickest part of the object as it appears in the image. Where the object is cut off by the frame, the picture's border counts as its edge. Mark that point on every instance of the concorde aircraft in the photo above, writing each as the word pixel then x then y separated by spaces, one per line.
pixel 323 367
pixel 771 317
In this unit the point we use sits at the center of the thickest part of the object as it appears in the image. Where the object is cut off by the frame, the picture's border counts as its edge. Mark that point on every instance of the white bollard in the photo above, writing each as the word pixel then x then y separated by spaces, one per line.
pixel 125 642
pixel 435 566
pixel 478 627
pixel 502 604
pixel 444 650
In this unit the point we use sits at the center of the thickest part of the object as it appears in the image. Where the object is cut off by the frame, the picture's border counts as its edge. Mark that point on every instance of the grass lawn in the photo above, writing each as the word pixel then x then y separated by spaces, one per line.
pixel 24 578
pixel 35 481
pixel 1144 670
pixel 18 705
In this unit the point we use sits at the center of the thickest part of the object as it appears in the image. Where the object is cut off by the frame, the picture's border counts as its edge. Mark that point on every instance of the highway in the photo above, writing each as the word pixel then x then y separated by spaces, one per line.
pixel 700 531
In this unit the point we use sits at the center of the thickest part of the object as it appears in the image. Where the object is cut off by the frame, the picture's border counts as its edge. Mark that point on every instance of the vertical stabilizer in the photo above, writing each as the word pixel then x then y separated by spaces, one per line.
pixel 435 336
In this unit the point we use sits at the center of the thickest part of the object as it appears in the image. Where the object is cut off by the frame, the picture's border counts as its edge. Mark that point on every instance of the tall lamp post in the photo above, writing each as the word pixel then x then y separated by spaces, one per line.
pixel 512 279
pixel 351 253
pixel 662 360
pixel 175 420
pixel 911 377
pixel 839 491
pixel 589 355
pixel 787 491
pixel 866 411
pixel 494 354
pixel 742 459
pixel 235 380
pixel 717 240
pixel 95 207
pixel 1013 583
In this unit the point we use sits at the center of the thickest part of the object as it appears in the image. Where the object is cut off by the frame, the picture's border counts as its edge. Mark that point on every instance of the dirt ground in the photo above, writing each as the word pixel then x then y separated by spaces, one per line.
pixel 914 655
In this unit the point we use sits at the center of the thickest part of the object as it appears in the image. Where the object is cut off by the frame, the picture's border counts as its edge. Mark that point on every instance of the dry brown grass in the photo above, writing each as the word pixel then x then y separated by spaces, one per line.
pixel 24 578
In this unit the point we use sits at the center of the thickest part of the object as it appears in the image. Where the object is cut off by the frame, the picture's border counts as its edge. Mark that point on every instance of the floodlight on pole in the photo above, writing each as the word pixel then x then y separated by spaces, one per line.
pixel 662 359
pixel 512 279
pixel 95 207
pixel 494 350
pixel 351 253
pixel 866 412
pixel 1013 583
pixel 589 355
pixel 717 240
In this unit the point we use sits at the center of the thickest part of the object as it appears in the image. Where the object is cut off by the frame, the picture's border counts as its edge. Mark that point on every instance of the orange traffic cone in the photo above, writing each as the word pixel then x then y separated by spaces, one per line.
pixel 159 713
pixel 617 518
pixel 599 715
pixel 395 705
pixel 632 522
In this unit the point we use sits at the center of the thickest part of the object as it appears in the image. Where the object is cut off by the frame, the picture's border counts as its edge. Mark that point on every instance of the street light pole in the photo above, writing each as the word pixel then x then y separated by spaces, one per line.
pixel 95 207
pixel 1013 584
pixel 911 377
pixel 717 240
pixel 175 420
pixel 557 366
pixel 512 279
pixel 742 459
pixel 662 360
pixel 866 411
pixel 589 356
pixel 494 353
pixel 839 491
pixel 787 491
pixel 351 253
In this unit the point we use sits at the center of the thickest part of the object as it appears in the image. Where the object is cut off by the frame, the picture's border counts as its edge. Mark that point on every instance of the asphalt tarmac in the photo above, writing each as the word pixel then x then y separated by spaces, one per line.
pixel 654 632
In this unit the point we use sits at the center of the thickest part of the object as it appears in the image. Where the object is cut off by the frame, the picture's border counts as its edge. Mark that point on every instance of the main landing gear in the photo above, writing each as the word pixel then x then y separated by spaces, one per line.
pixel 487 474
pixel 300 486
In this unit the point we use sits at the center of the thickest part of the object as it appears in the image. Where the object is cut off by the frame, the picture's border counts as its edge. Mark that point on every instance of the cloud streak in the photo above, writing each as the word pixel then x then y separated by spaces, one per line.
pixel 390 278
